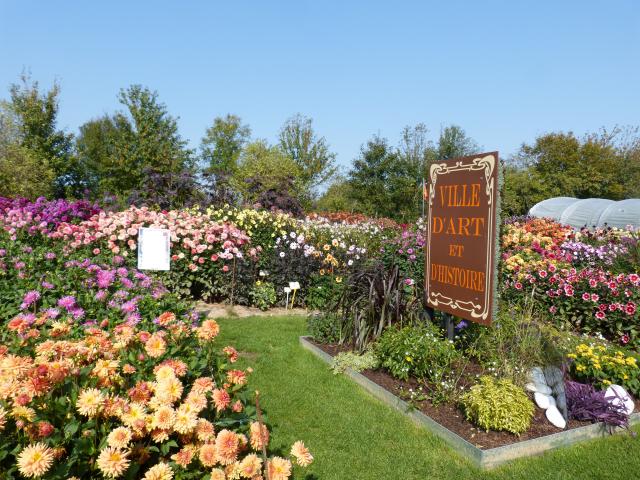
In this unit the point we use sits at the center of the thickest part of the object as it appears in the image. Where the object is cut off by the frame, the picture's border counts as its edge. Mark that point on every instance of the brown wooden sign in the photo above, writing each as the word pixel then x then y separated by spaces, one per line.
pixel 460 252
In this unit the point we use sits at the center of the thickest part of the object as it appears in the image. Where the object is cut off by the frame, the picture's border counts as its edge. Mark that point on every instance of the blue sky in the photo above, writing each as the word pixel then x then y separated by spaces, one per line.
pixel 506 71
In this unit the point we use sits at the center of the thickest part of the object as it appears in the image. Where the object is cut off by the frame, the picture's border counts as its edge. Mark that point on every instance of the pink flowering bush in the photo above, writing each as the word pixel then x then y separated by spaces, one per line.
pixel 207 256
pixel 574 281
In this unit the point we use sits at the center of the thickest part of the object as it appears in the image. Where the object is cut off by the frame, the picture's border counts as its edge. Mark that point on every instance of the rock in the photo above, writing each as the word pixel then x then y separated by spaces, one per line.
pixel 555 417
pixel 553 376
pixel 561 404
pixel 617 395
pixel 536 375
pixel 538 387
pixel 544 401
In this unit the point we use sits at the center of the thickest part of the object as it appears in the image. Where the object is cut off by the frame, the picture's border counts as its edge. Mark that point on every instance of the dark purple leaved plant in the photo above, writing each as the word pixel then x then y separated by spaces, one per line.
pixel 584 402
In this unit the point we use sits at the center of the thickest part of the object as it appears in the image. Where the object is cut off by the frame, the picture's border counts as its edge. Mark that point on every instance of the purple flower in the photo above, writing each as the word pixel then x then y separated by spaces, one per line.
pixel 3 252
pixel 410 251
pixel 122 272
pixel 101 295
pixel 27 249
pixel 19 265
pixel 118 260
pixel 77 313
pixel 67 302
pixel 129 307
pixel 49 255
pixel 133 319
pixel 126 283
pixel 462 324
pixel 105 278
pixel 31 297
pixel 47 285
pixel 52 312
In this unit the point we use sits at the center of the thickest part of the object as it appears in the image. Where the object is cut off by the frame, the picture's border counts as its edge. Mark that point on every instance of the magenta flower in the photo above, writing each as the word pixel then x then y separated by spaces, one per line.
pixel 67 302
pixel 30 298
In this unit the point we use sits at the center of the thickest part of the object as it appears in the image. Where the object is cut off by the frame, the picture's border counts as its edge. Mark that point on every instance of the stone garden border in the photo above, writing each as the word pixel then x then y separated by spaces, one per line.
pixel 484 459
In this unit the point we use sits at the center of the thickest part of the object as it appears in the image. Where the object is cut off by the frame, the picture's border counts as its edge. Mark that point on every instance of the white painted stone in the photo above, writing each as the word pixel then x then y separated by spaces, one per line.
pixel 543 401
pixel 555 417
pixel 542 388
pixel 530 387
pixel 617 395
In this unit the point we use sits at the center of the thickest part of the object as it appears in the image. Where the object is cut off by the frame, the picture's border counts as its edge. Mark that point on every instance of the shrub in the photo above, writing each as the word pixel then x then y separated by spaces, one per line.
pixel 603 365
pixel 498 405
pixel 263 295
pixel 323 291
pixel 416 351
pixel 355 362
pixel 324 327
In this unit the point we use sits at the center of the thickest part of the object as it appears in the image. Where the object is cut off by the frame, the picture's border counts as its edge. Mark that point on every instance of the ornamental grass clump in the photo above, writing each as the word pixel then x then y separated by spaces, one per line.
pixel 498 405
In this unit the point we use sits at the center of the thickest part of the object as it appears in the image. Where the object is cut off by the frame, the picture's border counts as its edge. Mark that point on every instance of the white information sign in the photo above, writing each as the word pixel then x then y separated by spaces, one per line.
pixel 154 246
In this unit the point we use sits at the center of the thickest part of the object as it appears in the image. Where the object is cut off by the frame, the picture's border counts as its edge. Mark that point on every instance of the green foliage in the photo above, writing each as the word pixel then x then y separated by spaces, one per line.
pixel 454 142
pixel 337 198
pixel 38 140
pixel 498 405
pixel 323 291
pixel 22 173
pixel 354 361
pixel 583 168
pixel 416 351
pixel 267 165
pixel 311 153
pixel 324 327
pixel 515 342
pixel 263 295
pixel 223 143
pixel 522 189
pixel 381 184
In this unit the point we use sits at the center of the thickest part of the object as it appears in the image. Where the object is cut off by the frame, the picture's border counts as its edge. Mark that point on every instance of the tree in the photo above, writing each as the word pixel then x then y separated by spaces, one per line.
pixel 222 144
pixel 337 198
pixel 454 142
pixel 381 184
pixel 416 150
pixel 261 168
pixel 522 189
pixel 22 174
pixel 37 135
pixel 310 152
pixel 591 167
pixel 123 152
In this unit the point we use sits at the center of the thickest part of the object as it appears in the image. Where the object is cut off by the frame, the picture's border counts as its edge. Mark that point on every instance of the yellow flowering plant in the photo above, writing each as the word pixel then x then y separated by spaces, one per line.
pixel 604 365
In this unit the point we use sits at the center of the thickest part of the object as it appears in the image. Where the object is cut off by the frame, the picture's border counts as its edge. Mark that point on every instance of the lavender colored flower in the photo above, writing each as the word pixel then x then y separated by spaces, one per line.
pixel 67 302
pixel 133 319
pixel 30 298
pixel 27 249
pixel 118 260
pixel 129 307
pixel 47 285
pixel 100 295
pixel 122 272
pixel 52 312
pixel 126 283
pixel 105 278
pixel 49 256
pixel 77 313
pixel 3 252
pixel 19 265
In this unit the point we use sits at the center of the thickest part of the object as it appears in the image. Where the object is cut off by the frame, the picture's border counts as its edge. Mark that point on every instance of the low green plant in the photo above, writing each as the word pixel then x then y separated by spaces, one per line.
pixel 323 290
pixel 515 342
pixel 354 361
pixel 416 351
pixel 263 295
pixel 324 327
pixel 498 405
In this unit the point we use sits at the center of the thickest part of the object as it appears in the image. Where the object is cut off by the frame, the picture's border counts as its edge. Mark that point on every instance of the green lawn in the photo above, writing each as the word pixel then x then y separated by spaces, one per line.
pixel 354 436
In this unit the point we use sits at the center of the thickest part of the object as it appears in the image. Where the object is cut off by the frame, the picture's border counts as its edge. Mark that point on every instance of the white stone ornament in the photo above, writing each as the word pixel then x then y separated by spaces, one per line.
pixel 555 417
pixel 617 395
pixel 543 401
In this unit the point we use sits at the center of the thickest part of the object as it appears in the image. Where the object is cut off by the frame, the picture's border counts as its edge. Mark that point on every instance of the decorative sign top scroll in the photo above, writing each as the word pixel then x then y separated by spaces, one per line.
pixel 462 236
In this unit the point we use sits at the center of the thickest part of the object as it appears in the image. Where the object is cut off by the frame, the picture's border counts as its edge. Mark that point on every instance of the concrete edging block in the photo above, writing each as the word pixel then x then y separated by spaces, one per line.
pixel 485 459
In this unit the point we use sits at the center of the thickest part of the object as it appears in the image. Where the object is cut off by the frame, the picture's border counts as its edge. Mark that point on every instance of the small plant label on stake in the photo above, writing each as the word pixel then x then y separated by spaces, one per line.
pixel 154 249
pixel 287 290
pixel 294 286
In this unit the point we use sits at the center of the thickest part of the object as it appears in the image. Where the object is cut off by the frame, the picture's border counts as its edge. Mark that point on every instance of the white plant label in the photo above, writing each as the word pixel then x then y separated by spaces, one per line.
pixel 294 285
pixel 154 249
